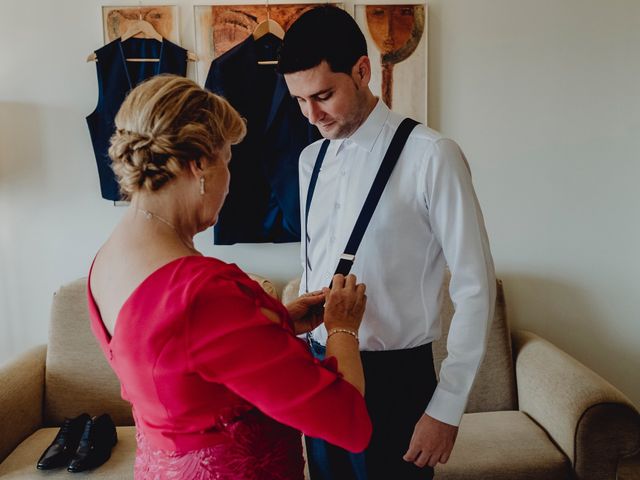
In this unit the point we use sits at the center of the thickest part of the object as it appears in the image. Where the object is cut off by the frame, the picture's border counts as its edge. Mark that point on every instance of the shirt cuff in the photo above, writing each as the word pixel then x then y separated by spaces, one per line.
pixel 446 407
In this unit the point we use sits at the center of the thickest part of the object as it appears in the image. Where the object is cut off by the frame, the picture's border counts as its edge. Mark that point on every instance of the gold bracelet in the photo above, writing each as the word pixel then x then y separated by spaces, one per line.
pixel 333 331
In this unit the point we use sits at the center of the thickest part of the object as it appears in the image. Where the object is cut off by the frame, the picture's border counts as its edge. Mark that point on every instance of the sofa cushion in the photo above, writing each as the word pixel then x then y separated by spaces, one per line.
pixel 266 285
pixel 78 378
pixel 494 388
pixel 503 446
pixel 21 464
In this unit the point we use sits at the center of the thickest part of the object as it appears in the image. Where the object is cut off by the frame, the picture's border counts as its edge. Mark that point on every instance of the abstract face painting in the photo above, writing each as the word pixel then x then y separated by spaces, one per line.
pixel 396 35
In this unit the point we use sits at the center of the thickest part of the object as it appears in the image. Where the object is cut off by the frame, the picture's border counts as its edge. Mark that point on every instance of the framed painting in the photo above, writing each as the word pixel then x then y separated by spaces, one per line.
pixel 397 45
pixel 219 28
pixel 164 18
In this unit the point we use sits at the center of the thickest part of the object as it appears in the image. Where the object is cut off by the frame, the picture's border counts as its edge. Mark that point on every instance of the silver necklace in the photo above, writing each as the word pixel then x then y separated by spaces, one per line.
pixel 149 215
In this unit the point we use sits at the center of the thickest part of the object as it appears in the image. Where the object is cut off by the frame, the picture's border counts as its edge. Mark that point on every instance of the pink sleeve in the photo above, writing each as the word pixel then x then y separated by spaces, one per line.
pixel 231 342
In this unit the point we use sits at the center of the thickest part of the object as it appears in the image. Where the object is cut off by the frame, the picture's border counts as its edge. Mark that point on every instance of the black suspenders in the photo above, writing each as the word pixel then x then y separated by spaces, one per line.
pixel 384 172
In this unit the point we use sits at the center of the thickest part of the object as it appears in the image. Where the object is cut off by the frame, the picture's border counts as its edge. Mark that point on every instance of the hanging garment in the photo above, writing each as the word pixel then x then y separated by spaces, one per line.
pixel 263 201
pixel 116 77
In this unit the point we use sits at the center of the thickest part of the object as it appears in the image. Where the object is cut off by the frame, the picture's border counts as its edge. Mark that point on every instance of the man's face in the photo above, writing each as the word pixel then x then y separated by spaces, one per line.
pixel 336 103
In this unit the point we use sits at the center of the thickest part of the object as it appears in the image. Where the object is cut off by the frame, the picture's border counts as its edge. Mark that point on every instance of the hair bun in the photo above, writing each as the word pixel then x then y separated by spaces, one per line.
pixel 135 140
pixel 133 156
pixel 163 124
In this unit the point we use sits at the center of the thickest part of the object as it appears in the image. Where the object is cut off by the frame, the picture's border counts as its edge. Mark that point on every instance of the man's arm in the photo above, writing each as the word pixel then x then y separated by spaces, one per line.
pixel 456 219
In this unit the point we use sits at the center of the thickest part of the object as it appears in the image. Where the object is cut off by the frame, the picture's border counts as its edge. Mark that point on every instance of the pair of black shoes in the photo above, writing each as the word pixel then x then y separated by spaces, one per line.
pixel 81 444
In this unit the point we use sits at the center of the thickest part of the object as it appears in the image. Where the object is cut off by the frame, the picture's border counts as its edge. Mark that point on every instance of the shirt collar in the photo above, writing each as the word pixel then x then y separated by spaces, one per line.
pixel 367 133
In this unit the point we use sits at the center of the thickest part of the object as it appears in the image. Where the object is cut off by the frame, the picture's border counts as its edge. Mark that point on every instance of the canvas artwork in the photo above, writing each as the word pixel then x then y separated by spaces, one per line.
pixel 397 44
pixel 164 18
pixel 221 27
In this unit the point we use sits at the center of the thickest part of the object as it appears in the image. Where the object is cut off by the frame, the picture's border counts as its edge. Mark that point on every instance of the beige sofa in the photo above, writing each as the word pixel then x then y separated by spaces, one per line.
pixel 535 412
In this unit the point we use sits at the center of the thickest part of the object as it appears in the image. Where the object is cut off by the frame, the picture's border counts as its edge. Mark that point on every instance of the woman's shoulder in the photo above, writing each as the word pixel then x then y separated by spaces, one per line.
pixel 213 283
pixel 212 277
pixel 199 268
pixel 202 264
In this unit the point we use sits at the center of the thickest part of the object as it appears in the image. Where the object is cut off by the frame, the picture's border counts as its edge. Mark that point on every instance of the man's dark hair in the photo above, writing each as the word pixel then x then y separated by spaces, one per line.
pixel 323 33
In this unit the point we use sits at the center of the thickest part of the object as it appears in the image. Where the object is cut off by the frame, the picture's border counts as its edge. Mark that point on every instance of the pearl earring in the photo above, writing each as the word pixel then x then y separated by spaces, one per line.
pixel 201 185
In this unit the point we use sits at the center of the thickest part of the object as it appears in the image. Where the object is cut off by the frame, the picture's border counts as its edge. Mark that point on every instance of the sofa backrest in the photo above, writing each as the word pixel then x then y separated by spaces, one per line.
pixel 78 378
pixel 495 385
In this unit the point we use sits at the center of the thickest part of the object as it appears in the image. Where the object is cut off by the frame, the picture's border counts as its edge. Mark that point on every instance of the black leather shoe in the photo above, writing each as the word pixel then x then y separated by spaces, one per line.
pixel 95 445
pixel 64 445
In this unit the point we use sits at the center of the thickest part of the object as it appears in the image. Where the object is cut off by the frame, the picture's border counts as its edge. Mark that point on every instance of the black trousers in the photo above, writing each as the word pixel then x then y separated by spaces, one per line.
pixel 399 385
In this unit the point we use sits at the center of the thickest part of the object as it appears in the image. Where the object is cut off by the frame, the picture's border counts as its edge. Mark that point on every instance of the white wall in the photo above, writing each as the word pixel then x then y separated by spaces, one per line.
pixel 543 96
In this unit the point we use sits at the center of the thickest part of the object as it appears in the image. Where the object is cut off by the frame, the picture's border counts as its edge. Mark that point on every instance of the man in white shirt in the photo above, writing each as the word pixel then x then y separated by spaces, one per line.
pixel 428 217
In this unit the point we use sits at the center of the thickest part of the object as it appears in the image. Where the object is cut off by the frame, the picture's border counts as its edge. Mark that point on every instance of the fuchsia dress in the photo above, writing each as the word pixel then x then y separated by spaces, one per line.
pixel 218 390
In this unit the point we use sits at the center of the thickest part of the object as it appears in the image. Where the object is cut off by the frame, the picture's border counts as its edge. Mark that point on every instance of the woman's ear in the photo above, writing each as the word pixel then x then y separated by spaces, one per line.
pixel 196 167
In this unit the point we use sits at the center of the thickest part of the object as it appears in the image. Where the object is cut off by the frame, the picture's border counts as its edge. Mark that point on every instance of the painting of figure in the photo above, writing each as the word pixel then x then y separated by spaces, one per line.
pixel 221 27
pixel 397 45
pixel 164 19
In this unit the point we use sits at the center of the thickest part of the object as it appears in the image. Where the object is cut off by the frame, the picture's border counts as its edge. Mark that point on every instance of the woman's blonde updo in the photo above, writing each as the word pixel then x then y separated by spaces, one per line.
pixel 164 123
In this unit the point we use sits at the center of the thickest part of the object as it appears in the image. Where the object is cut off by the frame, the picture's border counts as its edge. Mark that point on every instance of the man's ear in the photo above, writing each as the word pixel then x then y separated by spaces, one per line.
pixel 362 71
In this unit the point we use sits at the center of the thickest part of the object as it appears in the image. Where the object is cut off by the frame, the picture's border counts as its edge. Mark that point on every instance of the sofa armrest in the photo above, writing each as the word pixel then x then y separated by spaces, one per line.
pixel 21 397
pixel 591 421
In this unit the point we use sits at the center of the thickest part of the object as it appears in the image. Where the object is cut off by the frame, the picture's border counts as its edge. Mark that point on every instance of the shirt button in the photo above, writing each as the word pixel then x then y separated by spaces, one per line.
pixel 343 172
pixel 337 206
pixel 110 354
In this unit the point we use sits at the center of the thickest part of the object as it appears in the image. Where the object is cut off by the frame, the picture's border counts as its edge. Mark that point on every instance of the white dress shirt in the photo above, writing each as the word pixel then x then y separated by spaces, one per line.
pixel 428 217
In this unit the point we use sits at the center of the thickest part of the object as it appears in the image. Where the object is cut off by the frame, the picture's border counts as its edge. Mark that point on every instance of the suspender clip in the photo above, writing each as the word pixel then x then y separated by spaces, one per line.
pixel 348 257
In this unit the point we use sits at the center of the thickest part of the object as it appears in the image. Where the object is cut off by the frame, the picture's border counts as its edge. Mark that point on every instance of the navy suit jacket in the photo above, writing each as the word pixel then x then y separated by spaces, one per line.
pixel 263 201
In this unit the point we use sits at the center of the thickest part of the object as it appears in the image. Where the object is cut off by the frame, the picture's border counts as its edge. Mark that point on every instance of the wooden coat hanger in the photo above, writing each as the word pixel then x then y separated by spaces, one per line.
pixel 138 27
pixel 143 27
pixel 268 26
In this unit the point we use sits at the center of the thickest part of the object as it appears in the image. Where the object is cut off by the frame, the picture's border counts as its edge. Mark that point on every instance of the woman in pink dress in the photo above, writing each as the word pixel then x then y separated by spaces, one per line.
pixel 219 383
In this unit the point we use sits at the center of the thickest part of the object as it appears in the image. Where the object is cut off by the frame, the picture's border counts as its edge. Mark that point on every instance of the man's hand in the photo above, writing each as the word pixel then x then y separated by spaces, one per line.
pixel 306 311
pixel 431 442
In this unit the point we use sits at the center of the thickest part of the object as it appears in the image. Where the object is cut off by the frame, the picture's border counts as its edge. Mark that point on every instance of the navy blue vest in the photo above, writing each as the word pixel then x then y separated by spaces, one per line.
pixel 116 77
pixel 263 202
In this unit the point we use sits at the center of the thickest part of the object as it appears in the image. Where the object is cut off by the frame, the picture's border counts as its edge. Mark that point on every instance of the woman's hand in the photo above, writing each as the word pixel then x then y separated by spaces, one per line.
pixel 306 311
pixel 346 302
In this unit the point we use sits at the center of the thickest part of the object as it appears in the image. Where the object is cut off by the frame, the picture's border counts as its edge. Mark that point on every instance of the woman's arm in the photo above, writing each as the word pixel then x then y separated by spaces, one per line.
pixel 343 311
pixel 232 341
pixel 346 302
